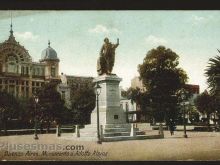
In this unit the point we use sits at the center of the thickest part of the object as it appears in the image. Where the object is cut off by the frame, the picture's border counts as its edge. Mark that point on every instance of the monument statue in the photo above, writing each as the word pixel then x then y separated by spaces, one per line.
pixel 106 60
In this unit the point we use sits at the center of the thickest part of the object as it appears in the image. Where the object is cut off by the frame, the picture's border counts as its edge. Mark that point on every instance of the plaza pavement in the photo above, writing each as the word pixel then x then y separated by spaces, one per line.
pixel 198 146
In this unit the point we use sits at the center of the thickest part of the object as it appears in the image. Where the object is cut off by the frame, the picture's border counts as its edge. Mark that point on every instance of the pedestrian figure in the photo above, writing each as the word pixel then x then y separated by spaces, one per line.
pixel 171 127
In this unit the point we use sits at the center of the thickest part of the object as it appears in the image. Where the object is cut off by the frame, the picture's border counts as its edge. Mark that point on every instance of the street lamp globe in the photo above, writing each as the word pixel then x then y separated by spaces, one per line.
pixel 97 88
pixel 36 99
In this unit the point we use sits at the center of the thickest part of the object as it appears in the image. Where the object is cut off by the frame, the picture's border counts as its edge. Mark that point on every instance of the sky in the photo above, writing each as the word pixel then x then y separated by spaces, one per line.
pixel 77 37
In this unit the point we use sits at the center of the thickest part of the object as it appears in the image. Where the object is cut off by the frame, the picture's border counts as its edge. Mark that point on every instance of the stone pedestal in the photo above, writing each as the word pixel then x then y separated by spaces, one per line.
pixel 110 111
pixel 112 118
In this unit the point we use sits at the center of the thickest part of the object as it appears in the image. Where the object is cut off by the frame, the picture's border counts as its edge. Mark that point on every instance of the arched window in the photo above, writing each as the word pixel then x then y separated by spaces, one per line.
pixel 53 71
pixel 12 64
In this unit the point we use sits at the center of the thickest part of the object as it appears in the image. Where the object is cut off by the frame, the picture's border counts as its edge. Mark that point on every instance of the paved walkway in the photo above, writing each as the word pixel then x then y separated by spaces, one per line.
pixel 199 146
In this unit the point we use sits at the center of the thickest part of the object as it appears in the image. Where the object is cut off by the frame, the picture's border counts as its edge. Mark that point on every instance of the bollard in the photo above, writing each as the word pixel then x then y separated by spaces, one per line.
pixel 161 130
pixel 133 133
pixel 101 132
pixel 58 133
pixel 77 131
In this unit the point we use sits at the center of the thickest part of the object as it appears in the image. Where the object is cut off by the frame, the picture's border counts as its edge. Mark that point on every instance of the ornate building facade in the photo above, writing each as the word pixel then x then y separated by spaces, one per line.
pixel 20 76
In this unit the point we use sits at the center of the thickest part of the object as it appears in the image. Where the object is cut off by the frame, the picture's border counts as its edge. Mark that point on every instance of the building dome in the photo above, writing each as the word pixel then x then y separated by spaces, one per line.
pixel 49 53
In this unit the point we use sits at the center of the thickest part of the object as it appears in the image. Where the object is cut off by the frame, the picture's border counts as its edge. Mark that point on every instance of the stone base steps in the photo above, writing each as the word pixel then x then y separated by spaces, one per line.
pixel 116 132
pixel 106 130
pixel 87 133
pixel 138 137
pixel 110 126
pixel 112 134
pixel 110 130
pixel 118 126
pixel 112 139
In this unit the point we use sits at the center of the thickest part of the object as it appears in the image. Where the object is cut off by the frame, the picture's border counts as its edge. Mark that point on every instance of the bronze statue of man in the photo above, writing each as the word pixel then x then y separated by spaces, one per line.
pixel 106 60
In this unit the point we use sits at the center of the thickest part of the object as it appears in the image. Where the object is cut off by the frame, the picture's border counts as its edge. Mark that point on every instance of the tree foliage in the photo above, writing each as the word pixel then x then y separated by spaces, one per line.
pixel 83 102
pixel 50 106
pixel 9 108
pixel 212 71
pixel 163 79
pixel 193 113
pixel 9 104
pixel 159 71
pixel 205 104
pixel 132 94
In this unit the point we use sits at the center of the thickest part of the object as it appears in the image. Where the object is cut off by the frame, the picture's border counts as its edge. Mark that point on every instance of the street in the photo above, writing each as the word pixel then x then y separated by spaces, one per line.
pixel 198 146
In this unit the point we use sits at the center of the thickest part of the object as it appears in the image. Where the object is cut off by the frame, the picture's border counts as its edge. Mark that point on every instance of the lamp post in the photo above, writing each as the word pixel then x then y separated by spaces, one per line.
pixel 214 119
pixel 184 115
pixel 98 91
pixel 36 99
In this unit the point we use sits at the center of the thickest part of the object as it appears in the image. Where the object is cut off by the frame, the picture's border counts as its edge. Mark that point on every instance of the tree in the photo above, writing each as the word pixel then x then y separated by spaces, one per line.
pixel 83 102
pixel 50 106
pixel 184 96
pixel 140 98
pixel 162 79
pixel 9 108
pixel 212 71
pixel 134 94
pixel 124 93
pixel 25 107
pixel 204 104
pixel 193 114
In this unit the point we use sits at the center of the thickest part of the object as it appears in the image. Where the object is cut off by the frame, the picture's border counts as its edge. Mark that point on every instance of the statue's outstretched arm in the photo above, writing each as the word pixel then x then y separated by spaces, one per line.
pixel 116 45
